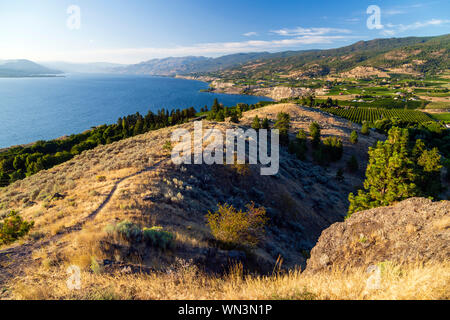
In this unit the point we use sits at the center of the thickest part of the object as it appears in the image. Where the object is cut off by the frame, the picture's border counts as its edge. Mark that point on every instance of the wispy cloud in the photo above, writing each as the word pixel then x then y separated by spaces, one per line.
pixel 393 12
pixel 352 19
pixel 392 29
pixel 250 34
pixel 299 31
pixel 134 55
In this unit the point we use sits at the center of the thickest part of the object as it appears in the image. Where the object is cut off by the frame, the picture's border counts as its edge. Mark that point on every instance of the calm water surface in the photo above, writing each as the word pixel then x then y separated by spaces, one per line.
pixel 46 108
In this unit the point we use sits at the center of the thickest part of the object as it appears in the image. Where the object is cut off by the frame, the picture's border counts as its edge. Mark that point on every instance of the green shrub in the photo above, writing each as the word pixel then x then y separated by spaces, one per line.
pixel 238 227
pixel 154 236
pixel 126 230
pixel 354 137
pixel 13 227
pixel 157 237
pixel 365 129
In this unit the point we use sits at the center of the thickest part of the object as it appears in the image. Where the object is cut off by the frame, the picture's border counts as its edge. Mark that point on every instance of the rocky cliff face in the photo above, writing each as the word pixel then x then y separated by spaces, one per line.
pixel 276 93
pixel 413 230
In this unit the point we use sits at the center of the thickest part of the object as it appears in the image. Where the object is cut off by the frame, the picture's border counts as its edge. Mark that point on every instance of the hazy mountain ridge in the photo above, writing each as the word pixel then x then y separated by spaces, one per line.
pixel 24 68
pixel 73 67
pixel 191 64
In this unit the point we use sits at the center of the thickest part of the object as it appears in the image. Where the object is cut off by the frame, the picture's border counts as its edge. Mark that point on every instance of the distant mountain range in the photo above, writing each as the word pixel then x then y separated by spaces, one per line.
pixel 185 65
pixel 411 54
pixel 24 68
pixel 94 67
pixel 419 55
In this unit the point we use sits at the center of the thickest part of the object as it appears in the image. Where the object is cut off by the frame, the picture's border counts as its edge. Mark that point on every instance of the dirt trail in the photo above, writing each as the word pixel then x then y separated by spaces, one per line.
pixel 13 259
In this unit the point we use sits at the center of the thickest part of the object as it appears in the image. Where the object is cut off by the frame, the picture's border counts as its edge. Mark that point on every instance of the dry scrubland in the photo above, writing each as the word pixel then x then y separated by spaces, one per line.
pixel 135 180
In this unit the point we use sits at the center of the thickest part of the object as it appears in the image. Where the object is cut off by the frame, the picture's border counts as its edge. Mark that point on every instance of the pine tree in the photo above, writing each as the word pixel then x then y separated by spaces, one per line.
pixel 283 124
pixel 314 131
pixel 220 116
pixel 256 123
pixel 234 118
pixel 429 177
pixel 216 106
pixel 390 174
pixel 265 124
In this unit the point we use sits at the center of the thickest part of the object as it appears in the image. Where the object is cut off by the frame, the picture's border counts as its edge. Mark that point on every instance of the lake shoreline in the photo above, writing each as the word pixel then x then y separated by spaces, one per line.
pixel 78 109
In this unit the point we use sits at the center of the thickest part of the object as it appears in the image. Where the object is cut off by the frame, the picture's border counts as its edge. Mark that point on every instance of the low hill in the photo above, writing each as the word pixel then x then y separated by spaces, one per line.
pixel 24 68
pixel 133 186
pixel 135 180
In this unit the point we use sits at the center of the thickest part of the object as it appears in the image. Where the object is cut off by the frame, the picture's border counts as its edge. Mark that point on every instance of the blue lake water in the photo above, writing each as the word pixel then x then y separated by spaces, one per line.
pixel 46 108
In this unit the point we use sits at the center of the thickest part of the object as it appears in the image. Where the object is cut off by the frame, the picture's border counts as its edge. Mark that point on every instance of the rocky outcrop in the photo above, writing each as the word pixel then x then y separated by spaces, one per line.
pixel 279 93
pixel 416 229
pixel 275 93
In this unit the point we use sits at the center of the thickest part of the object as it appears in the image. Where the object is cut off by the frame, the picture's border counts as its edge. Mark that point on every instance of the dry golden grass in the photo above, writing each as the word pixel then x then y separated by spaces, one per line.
pixel 396 282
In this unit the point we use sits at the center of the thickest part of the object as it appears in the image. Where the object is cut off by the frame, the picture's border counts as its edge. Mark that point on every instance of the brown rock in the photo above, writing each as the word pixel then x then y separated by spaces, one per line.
pixel 416 229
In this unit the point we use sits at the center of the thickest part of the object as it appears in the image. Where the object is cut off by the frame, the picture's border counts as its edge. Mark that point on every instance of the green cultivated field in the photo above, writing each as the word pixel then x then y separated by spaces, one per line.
pixel 441 117
pixel 359 115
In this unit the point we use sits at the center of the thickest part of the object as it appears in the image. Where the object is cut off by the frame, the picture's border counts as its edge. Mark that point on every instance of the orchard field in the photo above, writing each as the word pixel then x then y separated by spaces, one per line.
pixel 359 115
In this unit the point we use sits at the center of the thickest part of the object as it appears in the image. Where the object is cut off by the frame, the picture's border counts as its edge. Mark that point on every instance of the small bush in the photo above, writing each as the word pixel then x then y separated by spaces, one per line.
pixel 354 137
pixel 157 237
pixel 13 227
pixel 238 227
pixel 154 236
pixel 101 178
pixel 126 230
pixel 167 146
pixel 365 129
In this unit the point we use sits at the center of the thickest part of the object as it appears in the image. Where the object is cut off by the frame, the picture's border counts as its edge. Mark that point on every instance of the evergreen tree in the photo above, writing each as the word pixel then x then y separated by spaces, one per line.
pixel 256 123
pixel 390 174
pixel 429 177
pixel 220 116
pixel 138 127
pixel 283 124
pixel 216 106
pixel 314 131
pixel 234 118
pixel 265 124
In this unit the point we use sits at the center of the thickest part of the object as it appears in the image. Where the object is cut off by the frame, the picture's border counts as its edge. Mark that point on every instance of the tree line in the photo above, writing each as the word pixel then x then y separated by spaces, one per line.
pixel 19 162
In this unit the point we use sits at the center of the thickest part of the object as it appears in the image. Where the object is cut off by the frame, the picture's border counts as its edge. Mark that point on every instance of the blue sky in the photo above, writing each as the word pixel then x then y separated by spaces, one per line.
pixel 136 30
